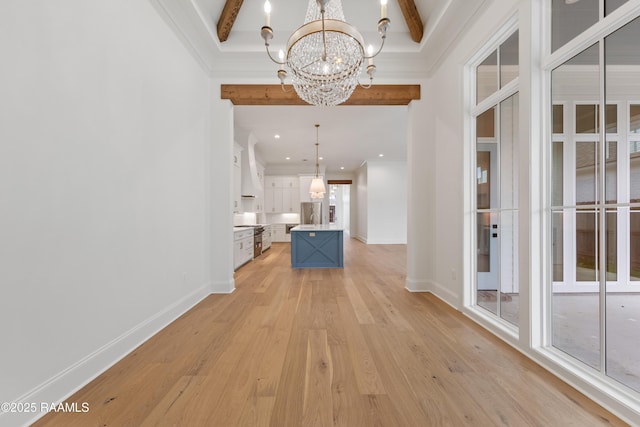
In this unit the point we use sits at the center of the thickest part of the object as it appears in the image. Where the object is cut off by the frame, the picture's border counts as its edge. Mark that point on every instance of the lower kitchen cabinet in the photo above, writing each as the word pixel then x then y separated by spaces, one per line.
pixel 266 238
pixel 278 233
pixel 242 247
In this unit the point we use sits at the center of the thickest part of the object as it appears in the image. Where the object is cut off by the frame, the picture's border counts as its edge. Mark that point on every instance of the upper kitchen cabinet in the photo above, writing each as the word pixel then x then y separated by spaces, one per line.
pixel 237 178
pixel 281 194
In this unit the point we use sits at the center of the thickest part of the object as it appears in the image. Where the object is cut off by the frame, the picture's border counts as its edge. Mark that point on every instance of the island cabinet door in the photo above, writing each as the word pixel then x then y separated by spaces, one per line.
pixel 316 249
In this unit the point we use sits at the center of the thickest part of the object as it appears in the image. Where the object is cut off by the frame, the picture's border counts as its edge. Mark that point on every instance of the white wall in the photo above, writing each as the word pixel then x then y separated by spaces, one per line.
pixel 359 227
pixel 103 197
pixel 386 202
pixel 220 192
pixel 420 193
pixel 381 203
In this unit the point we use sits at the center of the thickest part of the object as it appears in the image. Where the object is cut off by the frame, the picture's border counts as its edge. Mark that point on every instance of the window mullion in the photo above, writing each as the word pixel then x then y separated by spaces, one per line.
pixel 602 217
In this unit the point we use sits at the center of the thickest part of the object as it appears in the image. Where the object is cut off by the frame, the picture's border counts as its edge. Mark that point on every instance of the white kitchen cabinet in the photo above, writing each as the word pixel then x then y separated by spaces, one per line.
pixel 242 247
pixel 266 238
pixel 278 233
pixel 290 182
pixel 269 199
pixel 290 200
pixel 281 194
pixel 270 181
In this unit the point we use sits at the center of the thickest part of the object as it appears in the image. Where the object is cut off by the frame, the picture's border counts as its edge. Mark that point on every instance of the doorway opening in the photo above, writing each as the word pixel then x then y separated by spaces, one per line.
pixel 340 204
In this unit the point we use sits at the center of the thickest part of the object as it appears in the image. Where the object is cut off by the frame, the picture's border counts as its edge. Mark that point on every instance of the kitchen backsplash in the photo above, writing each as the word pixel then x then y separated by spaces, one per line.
pixel 283 218
pixel 247 218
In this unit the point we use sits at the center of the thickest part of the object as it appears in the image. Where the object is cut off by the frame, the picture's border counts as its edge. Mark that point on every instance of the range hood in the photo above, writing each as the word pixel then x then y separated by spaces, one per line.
pixel 251 183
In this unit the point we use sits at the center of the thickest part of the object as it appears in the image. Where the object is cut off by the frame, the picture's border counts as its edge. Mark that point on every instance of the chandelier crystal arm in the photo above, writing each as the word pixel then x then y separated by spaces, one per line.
pixel 379 50
pixel 371 70
pixel 267 34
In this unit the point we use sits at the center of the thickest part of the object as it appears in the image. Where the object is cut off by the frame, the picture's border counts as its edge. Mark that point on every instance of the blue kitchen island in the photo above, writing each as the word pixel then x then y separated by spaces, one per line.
pixel 316 246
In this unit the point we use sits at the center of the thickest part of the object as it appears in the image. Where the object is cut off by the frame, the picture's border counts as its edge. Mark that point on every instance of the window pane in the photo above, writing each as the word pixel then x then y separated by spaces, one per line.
pixel 586 118
pixel 557 173
pixel 611 118
pixel 483 239
pixel 634 175
pixel 485 124
pixel 578 77
pixel 622 54
pixel 611 176
pixel 487 261
pixel 570 19
pixel 558 246
pixel 576 328
pixel 622 329
pixel 509 289
pixel 558 119
pixel 487 77
pixel 576 316
pixel 611 5
pixel 586 246
pixel 634 118
pixel 611 229
pixel 483 179
pixel 509 130
pixel 509 59
pixel 623 339
pixel 634 238
pixel 586 160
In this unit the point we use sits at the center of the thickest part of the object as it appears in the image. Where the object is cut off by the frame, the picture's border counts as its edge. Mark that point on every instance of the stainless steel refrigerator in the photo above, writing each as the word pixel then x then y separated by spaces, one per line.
pixel 311 213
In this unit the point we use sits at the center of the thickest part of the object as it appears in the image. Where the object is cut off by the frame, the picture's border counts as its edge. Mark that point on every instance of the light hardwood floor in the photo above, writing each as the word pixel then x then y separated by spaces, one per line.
pixel 348 347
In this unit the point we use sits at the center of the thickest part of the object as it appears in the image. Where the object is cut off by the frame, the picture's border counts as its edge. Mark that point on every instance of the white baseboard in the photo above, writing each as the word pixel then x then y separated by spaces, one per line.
pixel 442 292
pixel 223 287
pixel 362 239
pixel 414 285
pixel 387 242
pixel 64 384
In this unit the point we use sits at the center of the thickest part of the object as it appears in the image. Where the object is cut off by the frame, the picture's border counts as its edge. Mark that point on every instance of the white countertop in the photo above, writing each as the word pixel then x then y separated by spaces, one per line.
pixel 240 228
pixel 246 227
pixel 316 227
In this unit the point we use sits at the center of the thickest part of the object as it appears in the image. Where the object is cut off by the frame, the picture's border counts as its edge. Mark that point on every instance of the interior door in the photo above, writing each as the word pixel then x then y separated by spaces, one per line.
pixel 488 230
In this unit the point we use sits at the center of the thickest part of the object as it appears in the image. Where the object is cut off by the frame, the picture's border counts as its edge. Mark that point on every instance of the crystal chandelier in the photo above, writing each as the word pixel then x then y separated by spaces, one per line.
pixel 326 54
pixel 317 189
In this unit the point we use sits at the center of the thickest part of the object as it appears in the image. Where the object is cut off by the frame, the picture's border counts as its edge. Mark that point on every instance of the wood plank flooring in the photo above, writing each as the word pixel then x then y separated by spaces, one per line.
pixel 345 347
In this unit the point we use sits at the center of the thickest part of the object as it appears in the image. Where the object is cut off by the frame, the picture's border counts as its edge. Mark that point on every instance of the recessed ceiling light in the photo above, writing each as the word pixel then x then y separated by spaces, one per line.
pixel 320 158
pixel 276 136
pixel 288 158
pixel 380 155
pixel 341 167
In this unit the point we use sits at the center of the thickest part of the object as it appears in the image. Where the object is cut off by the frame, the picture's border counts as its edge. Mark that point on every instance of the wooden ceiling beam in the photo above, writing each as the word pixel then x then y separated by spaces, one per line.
pixel 408 8
pixel 274 95
pixel 412 18
pixel 227 18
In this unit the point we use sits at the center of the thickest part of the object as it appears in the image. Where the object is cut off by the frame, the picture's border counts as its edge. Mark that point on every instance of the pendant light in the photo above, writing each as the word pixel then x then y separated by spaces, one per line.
pixel 317 189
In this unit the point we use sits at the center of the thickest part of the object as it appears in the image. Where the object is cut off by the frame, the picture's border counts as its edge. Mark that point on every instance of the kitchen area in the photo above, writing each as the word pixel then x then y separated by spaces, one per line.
pixel 267 207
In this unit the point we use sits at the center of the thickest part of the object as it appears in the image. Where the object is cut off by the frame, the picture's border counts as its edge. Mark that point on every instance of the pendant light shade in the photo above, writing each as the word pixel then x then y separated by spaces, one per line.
pixel 317 189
